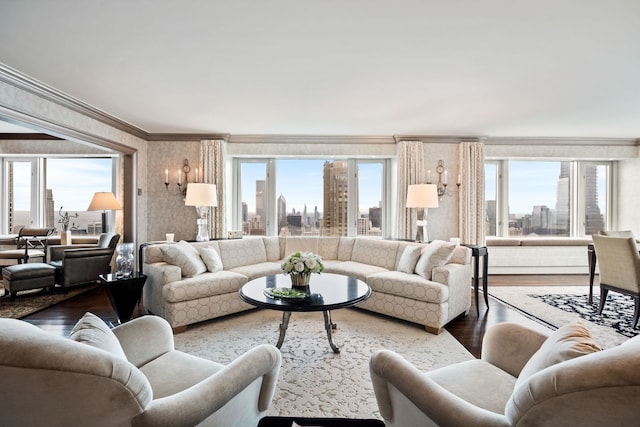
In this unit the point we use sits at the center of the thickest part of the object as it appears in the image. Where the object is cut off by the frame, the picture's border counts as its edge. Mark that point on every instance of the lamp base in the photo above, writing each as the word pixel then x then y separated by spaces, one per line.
pixel 422 235
pixel 203 230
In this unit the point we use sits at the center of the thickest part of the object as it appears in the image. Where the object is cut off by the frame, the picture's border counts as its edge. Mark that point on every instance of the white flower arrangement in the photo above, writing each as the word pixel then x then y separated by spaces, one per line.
pixel 302 263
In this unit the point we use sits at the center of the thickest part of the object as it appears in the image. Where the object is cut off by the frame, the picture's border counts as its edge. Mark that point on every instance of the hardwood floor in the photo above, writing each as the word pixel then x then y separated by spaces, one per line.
pixel 469 329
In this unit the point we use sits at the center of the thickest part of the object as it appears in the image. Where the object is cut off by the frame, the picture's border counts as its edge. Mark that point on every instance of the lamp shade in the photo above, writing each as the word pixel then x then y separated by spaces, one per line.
pixel 422 196
pixel 104 201
pixel 201 194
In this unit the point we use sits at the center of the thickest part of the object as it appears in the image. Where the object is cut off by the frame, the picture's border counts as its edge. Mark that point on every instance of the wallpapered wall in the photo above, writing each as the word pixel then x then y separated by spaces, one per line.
pixel 167 213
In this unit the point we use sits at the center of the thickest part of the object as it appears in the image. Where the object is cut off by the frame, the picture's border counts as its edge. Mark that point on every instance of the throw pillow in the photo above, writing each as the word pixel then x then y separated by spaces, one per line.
pixel 568 342
pixel 409 258
pixel 435 254
pixel 211 258
pixel 92 330
pixel 184 256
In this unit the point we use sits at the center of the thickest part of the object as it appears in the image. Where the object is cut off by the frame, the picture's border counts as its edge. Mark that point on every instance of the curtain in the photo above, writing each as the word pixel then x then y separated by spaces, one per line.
pixel 212 158
pixel 471 212
pixel 410 171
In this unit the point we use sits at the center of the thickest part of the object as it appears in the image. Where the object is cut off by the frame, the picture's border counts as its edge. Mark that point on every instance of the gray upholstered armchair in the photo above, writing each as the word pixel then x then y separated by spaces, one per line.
pixel 619 265
pixel 128 376
pixel 76 264
pixel 524 378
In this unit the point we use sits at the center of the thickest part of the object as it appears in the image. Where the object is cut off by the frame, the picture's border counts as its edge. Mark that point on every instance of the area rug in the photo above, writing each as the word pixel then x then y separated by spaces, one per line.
pixel 29 302
pixel 314 381
pixel 560 305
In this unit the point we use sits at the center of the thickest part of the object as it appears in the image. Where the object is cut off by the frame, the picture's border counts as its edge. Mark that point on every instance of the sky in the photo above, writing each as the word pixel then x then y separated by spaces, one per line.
pixel 73 182
pixel 300 182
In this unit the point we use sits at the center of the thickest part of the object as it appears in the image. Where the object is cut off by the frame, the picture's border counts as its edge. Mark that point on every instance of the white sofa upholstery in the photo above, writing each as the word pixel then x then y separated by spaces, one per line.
pixel 432 301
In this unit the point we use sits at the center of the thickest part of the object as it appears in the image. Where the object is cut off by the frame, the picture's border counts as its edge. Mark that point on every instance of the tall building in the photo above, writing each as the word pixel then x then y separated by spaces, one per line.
pixel 562 223
pixel 281 212
pixel 335 208
pixel 594 220
pixel 261 193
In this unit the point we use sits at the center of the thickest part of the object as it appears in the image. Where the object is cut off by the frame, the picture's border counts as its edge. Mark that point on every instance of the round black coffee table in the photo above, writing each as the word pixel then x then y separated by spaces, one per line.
pixel 328 292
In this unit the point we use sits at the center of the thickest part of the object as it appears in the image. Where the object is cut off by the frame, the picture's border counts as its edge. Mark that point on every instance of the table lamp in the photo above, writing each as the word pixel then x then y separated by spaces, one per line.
pixel 422 196
pixel 104 201
pixel 202 196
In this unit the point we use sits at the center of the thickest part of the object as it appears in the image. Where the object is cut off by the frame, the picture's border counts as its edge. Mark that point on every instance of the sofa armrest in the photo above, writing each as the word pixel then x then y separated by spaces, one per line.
pixel 395 380
pixel 144 338
pixel 56 252
pixel 87 252
pixel 509 346
pixel 196 403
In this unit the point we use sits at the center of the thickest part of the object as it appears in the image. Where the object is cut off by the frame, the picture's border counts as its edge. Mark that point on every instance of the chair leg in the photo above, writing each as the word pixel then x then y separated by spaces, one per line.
pixel 636 310
pixel 603 298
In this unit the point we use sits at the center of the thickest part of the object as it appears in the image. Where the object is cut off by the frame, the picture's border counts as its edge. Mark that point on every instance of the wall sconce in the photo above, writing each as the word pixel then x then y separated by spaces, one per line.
pixel 182 183
pixel 443 179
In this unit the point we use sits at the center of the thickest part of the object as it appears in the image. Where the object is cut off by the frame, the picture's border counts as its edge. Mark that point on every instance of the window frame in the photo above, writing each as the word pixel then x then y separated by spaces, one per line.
pixel 271 201
pixel 577 190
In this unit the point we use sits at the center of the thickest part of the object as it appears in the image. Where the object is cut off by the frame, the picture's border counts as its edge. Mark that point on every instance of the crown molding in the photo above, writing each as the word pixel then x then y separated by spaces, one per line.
pixel 586 141
pixel 187 136
pixel 22 81
pixel 310 139
pixel 441 139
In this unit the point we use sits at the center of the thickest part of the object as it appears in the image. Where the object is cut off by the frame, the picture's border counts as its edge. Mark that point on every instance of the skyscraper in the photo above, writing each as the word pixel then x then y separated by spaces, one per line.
pixel 282 212
pixel 335 208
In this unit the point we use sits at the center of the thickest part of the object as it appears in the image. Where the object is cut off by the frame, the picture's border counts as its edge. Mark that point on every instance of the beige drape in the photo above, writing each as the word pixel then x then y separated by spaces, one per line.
pixel 471 211
pixel 410 171
pixel 212 156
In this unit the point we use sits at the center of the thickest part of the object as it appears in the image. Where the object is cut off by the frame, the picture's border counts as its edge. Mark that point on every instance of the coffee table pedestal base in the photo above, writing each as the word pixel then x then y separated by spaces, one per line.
pixel 328 325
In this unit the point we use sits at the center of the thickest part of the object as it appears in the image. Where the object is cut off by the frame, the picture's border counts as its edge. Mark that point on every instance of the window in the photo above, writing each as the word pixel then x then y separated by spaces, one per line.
pixel 546 198
pixel 305 197
pixel 37 188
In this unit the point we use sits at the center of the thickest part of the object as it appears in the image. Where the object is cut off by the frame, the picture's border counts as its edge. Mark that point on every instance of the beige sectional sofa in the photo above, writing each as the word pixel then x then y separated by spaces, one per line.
pixel 190 282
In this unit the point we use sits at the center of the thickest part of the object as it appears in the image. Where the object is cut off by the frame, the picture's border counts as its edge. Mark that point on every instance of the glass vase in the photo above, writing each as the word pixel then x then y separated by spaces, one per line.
pixel 124 260
pixel 300 282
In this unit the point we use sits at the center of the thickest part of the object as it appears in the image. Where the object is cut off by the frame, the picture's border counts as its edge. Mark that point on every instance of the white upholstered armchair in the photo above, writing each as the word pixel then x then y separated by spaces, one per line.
pixel 128 376
pixel 523 379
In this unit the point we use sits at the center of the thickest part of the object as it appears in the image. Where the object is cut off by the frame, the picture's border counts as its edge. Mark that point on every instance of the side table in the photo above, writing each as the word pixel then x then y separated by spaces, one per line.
pixel 477 252
pixel 125 293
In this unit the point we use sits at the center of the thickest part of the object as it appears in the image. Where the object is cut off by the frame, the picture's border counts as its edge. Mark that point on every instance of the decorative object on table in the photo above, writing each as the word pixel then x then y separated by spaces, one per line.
pixel 65 233
pixel 124 260
pixel 104 201
pixel 300 265
pixel 422 196
pixel 202 196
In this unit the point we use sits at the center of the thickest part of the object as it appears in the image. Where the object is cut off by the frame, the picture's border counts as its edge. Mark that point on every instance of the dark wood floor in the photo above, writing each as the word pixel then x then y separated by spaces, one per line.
pixel 469 329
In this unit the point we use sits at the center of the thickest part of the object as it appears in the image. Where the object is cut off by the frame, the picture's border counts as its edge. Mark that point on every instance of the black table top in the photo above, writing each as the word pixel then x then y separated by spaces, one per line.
pixel 328 292
pixel 110 278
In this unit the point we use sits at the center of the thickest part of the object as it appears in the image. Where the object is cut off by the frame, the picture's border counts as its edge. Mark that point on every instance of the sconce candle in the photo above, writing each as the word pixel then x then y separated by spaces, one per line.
pixel 196 174
pixel 445 180
pixel 179 177
pixel 166 176
pixel 429 176
pixel 459 180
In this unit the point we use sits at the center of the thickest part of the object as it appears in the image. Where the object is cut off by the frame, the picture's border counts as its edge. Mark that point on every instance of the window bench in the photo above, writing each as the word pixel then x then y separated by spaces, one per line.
pixel 538 255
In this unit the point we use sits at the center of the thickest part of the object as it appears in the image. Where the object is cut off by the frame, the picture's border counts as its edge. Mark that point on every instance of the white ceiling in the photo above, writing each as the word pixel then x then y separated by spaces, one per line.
pixel 349 67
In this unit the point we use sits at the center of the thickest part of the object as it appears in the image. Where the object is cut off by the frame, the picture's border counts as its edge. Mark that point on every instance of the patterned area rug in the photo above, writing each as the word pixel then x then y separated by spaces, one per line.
pixel 560 305
pixel 314 381
pixel 29 302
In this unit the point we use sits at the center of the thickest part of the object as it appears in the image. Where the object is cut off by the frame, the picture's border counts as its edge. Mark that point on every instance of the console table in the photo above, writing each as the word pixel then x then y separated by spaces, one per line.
pixel 477 252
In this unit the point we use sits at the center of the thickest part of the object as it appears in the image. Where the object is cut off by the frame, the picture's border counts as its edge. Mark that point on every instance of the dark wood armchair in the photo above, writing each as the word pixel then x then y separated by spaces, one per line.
pixel 31 243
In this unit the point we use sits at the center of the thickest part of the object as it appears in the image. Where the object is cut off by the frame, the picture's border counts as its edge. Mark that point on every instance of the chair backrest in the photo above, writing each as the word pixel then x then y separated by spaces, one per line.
pixel 51 380
pixel 108 240
pixel 618 261
pixel 601 388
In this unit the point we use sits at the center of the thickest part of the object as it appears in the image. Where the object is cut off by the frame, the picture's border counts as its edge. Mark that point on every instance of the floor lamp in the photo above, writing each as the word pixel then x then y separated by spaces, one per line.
pixel 202 196
pixel 422 196
pixel 104 201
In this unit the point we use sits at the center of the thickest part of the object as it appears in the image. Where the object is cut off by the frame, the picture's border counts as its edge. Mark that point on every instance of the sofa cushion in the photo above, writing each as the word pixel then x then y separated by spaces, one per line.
pixel 409 258
pixel 272 248
pixel 211 258
pixel 353 269
pixel 259 270
pixel 328 247
pixel 568 342
pixel 301 244
pixel 92 330
pixel 435 254
pixel 345 248
pixel 381 253
pixel 184 256
pixel 240 252
pixel 203 286
pixel 409 286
